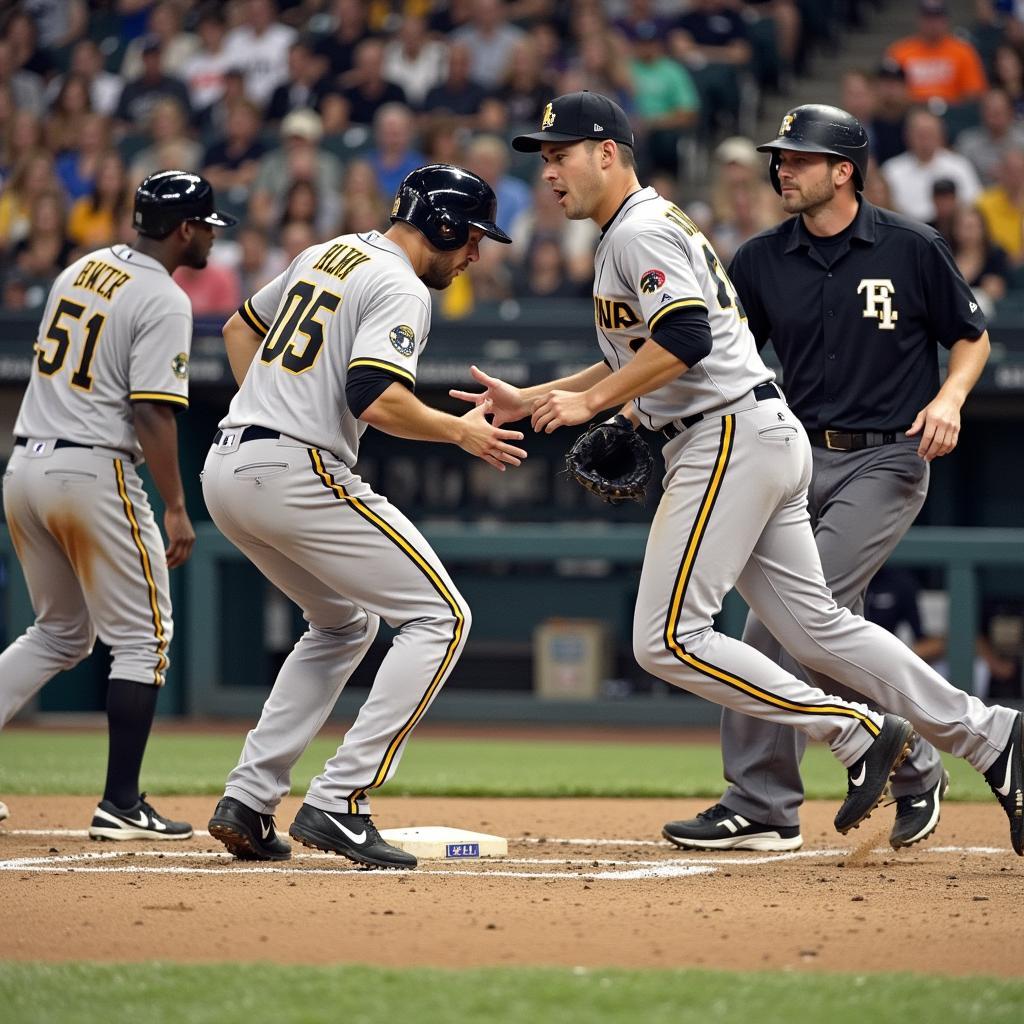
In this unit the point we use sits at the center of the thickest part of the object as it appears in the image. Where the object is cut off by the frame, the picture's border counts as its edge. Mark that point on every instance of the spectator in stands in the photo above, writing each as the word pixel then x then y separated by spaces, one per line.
pixel 33 175
pixel 58 24
pixel 215 290
pixel 911 175
pixel 458 95
pixel 259 46
pixel 544 274
pixel 601 64
pixel 362 214
pixel 170 145
pixel 300 205
pixel 299 158
pixel 77 168
pixel 983 264
pixel 176 46
pixel 394 153
pixel 296 238
pixel 1008 75
pixel 26 86
pixel 104 86
pixel 204 72
pixel 232 162
pixel 788 24
pixel 19 30
pixel 95 219
pixel 305 86
pixel 946 203
pixel 487 156
pixel 141 94
pixel 64 120
pixel 938 64
pixel 1002 206
pixel 985 144
pixel 44 250
pixel 711 40
pixel 413 60
pixel 349 30
pixel 361 181
pixel 365 87
pixel 665 100
pixel 258 262
pixel 490 40
pixel 24 134
pixel 743 202
pixel 888 128
pixel 524 92
pixel 876 188
pixel 443 139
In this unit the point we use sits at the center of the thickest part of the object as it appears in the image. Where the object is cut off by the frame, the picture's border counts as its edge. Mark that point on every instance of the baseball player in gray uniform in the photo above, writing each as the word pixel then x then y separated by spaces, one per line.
pixel 110 373
pixel 737 466
pixel 330 346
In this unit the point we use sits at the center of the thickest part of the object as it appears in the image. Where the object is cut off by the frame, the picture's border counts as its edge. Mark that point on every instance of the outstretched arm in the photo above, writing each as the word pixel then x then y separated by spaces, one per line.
pixel 399 412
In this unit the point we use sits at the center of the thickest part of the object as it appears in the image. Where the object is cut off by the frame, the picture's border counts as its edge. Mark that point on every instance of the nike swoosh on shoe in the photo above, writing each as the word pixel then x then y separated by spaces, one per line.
pixel 265 829
pixel 1004 789
pixel 356 837
pixel 859 781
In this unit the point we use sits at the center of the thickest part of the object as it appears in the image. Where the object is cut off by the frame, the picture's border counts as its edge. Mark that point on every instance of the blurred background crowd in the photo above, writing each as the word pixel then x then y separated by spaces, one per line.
pixel 306 114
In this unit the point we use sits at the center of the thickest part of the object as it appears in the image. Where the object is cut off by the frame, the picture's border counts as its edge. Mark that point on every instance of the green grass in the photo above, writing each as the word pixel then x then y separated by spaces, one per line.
pixel 74 763
pixel 215 994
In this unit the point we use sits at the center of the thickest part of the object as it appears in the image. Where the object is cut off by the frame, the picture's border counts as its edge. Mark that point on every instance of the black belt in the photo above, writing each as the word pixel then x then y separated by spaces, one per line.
pixel 22 442
pixel 851 440
pixel 247 434
pixel 762 393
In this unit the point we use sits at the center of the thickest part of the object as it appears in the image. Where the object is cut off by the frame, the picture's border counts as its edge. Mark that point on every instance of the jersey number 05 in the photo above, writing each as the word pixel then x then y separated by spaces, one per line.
pixel 298 316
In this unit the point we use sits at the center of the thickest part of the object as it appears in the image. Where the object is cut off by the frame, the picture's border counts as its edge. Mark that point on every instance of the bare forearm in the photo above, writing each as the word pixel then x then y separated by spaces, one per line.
pixel 157 431
pixel 967 360
pixel 582 381
pixel 652 367
pixel 400 413
pixel 241 343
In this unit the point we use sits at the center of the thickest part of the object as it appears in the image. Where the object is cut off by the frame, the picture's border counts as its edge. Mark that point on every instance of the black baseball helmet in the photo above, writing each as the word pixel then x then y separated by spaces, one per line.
pixel 819 128
pixel 443 202
pixel 167 198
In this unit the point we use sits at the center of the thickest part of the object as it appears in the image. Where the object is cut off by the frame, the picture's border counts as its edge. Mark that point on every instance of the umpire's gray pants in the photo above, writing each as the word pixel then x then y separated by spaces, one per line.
pixel 861 504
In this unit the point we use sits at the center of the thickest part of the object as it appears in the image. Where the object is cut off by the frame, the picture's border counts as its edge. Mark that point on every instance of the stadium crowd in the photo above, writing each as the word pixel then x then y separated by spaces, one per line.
pixel 305 115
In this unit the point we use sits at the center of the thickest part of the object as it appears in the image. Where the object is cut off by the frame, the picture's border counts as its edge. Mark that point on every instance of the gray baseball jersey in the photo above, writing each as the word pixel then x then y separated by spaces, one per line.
pixel 651 261
pixel 286 495
pixel 348 303
pixel 734 513
pixel 116 329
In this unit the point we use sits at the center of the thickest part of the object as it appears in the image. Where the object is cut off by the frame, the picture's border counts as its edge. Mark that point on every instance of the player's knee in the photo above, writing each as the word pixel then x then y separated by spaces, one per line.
pixel 70 642
pixel 647 651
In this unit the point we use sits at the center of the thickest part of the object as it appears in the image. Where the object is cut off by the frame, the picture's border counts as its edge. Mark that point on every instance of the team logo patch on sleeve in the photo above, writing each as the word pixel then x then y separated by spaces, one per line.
pixel 404 339
pixel 179 364
pixel 652 281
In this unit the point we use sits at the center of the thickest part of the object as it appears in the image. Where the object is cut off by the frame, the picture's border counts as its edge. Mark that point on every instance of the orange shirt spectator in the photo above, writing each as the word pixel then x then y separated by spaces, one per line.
pixel 938 65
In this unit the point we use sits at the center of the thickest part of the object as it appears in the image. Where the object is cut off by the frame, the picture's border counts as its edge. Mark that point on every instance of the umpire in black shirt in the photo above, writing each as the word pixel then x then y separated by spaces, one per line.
pixel 855 301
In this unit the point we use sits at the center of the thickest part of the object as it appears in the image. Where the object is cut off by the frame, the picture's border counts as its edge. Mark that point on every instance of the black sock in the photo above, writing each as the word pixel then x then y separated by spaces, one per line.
pixel 130 710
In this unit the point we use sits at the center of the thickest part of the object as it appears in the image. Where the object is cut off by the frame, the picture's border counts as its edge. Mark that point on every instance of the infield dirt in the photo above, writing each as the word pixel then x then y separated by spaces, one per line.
pixel 947 906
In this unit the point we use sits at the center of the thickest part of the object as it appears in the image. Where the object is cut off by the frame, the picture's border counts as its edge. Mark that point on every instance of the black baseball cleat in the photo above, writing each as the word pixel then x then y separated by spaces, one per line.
pixel 140 821
pixel 868 777
pixel 1006 779
pixel 247 834
pixel 917 815
pixel 718 828
pixel 351 835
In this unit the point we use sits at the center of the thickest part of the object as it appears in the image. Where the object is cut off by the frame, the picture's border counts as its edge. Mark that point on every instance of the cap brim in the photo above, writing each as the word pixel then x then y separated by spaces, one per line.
pixel 491 230
pixel 220 220
pixel 531 143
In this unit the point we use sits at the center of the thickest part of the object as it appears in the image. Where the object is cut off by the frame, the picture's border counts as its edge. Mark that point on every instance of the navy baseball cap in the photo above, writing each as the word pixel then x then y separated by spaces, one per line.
pixel 575 116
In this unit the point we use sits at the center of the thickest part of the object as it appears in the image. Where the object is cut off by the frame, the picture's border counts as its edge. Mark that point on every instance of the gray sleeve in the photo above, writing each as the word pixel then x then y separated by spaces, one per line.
pixel 656 267
pixel 391 334
pixel 260 310
pixel 158 368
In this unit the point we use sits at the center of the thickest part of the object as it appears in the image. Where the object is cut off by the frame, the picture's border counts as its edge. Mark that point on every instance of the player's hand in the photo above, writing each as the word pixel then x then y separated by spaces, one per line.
pixel 487 441
pixel 561 409
pixel 938 423
pixel 180 536
pixel 507 403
